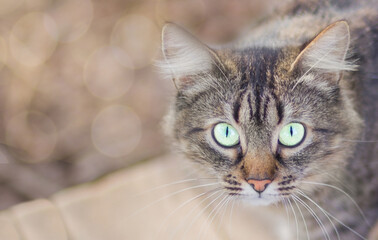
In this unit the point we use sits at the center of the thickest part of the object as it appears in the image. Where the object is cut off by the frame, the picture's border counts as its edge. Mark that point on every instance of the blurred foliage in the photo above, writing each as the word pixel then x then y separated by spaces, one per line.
pixel 79 96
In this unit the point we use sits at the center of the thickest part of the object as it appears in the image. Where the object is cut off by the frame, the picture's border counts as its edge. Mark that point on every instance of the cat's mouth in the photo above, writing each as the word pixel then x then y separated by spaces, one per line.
pixel 273 192
pixel 257 199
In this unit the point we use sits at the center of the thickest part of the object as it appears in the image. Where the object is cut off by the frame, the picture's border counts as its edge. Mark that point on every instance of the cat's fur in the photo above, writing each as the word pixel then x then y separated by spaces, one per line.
pixel 314 62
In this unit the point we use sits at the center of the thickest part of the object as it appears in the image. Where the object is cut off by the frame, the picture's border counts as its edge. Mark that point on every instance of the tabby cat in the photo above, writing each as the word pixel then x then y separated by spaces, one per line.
pixel 287 113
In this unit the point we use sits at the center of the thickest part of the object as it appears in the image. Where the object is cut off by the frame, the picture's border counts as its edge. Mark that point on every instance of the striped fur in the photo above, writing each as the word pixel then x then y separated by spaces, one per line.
pixel 282 73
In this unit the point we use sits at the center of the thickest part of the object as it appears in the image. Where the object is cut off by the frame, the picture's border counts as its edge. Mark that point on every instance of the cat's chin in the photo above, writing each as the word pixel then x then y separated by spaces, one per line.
pixel 256 201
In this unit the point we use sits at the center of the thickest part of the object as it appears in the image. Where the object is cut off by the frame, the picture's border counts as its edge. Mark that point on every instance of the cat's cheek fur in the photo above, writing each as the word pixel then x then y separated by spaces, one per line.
pixel 291 70
pixel 329 167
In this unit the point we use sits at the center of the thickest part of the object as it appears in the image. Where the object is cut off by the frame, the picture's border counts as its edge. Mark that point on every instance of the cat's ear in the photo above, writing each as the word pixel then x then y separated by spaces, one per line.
pixel 185 57
pixel 327 52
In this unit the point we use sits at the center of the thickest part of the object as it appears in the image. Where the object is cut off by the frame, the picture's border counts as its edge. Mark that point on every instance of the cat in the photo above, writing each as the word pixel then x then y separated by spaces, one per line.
pixel 287 112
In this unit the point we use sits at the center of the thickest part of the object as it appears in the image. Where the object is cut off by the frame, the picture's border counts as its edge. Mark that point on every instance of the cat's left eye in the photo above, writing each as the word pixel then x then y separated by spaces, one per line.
pixel 292 134
pixel 226 135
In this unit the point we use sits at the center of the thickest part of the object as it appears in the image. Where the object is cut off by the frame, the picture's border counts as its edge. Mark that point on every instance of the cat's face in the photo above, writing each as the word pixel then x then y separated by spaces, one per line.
pixel 258 119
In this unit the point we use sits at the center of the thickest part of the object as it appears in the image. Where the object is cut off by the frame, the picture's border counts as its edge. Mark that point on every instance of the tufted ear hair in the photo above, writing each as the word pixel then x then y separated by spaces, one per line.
pixel 186 59
pixel 327 52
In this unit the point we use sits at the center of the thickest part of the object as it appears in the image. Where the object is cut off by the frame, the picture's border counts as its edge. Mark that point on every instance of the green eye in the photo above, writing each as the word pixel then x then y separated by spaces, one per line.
pixel 226 135
pixel 292 134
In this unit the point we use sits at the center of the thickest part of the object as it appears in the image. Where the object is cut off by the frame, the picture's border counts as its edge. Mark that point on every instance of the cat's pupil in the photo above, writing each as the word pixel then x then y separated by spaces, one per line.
pixel 226 131
pixel 291 130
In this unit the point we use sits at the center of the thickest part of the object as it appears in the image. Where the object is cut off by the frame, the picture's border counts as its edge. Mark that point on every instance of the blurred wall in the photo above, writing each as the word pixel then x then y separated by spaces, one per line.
pixel 79 96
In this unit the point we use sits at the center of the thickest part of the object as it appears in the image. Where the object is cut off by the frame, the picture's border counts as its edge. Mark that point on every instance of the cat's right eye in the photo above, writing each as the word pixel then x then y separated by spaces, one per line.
pixel 225 135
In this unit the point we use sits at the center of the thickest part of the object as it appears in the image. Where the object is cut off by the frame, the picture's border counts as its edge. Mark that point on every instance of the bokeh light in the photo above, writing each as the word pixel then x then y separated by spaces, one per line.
pixel 30 42
pixel 71 26
pixel 183 12
pixel 79 94
pixel 116 131
pixel 3 157
pixel 8 6
pixel 3 52
pixel 33 134
pixel 138 36
pixel 108 73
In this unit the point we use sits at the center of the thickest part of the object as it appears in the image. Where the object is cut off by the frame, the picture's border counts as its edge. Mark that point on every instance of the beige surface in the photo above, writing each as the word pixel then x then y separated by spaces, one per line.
pixel 129 204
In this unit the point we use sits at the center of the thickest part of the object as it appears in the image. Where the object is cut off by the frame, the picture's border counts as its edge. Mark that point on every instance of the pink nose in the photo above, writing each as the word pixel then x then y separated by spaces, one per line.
pixel 259 185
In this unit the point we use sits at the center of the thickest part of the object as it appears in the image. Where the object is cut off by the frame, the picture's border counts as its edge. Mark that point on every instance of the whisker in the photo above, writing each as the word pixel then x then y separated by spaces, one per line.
pixel 317 219
pixel 343 184
pixel 182 205
pixel 203 210
pixel 339 189
pixel 295 217
pixel 215 211
pixel 224 213
pixel 322 210
pixel 221 211
pixel 287 212
pixel 171 184
pixel 304 220
pixel 190 213
pixel 170 195
pixel 340 222
pixel 231 212
pixel 359 141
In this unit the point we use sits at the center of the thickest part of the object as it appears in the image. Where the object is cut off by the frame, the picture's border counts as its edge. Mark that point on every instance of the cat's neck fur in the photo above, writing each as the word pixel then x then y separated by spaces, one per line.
pixel 270 53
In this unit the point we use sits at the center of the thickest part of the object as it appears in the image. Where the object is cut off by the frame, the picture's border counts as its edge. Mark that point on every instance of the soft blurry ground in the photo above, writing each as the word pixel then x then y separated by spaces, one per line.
pixel 115 208
pixel 79 96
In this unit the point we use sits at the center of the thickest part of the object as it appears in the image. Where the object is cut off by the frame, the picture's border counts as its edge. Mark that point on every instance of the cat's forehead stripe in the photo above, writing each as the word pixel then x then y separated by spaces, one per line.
pixel 257 70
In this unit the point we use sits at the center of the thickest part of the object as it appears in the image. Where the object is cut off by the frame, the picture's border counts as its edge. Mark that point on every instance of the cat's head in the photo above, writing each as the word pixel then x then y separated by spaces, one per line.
pixel 262 120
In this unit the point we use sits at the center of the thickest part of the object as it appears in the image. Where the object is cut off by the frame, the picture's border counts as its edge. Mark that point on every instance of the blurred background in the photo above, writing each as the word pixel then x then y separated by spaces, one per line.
pixel 79 94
